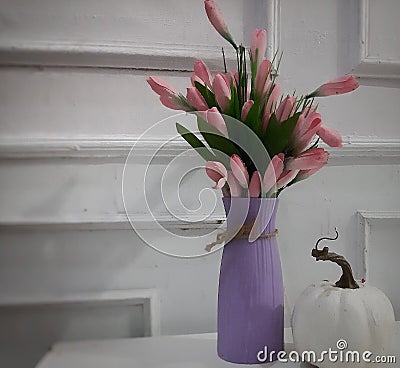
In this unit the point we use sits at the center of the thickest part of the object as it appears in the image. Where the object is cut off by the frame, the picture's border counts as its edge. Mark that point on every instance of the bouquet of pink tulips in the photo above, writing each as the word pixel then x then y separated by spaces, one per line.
pixel 289 126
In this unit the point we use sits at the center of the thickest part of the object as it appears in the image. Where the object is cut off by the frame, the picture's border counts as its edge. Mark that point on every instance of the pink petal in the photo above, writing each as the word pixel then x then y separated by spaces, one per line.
pixel 304 174
pixel 173 102
pixel 255 185
pixel 214 118
pixel 305 131
pixel 259 44
pixel 160 87
pixel 201 70
pixel 274 171
pixel 262 75
pixel 217 20
pixel 273 98
pixel 285 178
pixel 239 170
pixel 330 136
pixel 286 108
pixel 195 78
pixel 246 108
pixel 222 92
pixel 344 84
pixel 234 187
pixel 216 172
pixel 310 159
pixel 195 99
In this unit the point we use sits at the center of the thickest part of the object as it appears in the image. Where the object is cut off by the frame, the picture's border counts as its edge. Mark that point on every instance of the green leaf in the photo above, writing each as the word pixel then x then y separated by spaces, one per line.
pixel 219 144
pixel 252 118
pixel 195 142
pixel 277 135
pixel 234 109
pixel 206 93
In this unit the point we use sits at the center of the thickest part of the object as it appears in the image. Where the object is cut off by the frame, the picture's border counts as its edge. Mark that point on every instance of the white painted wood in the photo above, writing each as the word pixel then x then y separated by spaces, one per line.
pixel 114 222
pixel 70 115
pixel 147 298
pixel 41 320
pixel 192 351
pixel 364 220
pixel 379 46
pixel 138 38
pixel 113 55
pixel 356 150
pixel 378 249
pixel 172 351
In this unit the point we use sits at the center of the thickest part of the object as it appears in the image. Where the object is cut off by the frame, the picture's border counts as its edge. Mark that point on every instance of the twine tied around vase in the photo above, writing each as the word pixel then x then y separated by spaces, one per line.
pixel 243 233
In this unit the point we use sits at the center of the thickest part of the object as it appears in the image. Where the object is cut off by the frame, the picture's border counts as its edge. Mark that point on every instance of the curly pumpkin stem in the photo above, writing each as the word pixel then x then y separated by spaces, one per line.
pixel 347 279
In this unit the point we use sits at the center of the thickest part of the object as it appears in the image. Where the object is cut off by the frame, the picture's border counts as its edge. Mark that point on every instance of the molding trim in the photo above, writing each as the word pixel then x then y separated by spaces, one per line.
pixel 116 221
pixel 274 27
pixel 113 55
pixel 130 55
pixel 372 67
pixel 130 297
pixel 364 221
pixel 356 150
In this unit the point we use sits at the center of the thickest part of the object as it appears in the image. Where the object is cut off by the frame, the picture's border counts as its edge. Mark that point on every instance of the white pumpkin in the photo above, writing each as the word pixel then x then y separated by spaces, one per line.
pixel 326 314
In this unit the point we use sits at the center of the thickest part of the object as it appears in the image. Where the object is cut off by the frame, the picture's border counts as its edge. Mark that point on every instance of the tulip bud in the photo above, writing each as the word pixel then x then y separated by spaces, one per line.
pixel 344 84
pixel 218 21
pixel 217 173
pixel 222 92
pixel 195 99
pixel 239 171
pixel 258 45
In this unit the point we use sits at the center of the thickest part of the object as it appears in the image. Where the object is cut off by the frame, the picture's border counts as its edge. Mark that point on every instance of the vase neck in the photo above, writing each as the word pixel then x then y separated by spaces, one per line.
pixel 246 211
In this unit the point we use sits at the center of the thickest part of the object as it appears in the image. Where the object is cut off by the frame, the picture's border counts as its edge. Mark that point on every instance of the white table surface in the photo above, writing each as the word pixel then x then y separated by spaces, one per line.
pixel 184 351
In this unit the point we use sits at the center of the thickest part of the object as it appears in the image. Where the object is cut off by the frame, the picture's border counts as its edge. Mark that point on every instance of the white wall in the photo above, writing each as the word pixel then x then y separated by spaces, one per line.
pixel 73 99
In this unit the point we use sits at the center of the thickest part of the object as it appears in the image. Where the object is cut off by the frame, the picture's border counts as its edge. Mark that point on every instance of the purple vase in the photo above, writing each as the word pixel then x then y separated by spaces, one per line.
pixel 250 297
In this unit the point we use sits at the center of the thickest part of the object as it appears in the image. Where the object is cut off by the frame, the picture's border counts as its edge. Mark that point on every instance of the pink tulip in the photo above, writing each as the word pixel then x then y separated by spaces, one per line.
pixel 258 45
pixel 195 78
pixel 217 173
pixel 273 98
pixel 273 172
pixel 239 170
pixel 175 103
pixel 169 97
pixel 255 185
pixel 266 118
pixel 231 78
pixel 222 92
pixel 246 108
pixel 263 73
pixel 203 74
pixel 305 174
pixel 285 178
pixel 160 87
pixel 304 131
pixel 195 99
pixel 344 84
pixel 234 187
pixel 330 136
pixel 310 159
pixel 213 117
pixel 286 108
pixel 217 20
